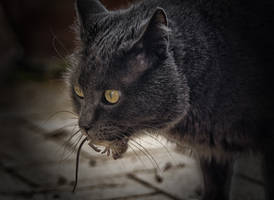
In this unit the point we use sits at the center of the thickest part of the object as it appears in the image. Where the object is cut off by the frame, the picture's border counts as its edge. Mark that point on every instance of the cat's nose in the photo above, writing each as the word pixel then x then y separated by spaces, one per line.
pixel 83 124
pixel 86 118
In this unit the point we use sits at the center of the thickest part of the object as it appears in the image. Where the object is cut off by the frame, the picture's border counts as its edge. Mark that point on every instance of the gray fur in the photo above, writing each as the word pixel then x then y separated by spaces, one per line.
pixel 192 68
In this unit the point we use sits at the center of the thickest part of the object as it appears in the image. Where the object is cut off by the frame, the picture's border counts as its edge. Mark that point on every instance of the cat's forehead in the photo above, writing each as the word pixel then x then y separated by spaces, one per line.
pixel 96 73
pixel 118 73
pixel 112 38
pixel 116 32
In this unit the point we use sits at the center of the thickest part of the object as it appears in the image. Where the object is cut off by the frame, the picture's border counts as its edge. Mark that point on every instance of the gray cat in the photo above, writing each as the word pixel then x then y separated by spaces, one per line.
pixel 199 72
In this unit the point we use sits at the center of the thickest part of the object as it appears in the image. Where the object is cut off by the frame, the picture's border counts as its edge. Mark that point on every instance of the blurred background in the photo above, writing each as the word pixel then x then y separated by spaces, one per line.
pixel 37 152
pixel 36 34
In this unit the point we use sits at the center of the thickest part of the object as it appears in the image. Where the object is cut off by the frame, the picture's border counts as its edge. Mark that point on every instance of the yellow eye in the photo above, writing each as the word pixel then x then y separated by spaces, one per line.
pixel 112 96
pixel 79 91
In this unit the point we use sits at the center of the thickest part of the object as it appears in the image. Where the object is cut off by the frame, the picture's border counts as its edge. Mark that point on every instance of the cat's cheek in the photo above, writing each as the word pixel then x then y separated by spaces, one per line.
pixel 76 104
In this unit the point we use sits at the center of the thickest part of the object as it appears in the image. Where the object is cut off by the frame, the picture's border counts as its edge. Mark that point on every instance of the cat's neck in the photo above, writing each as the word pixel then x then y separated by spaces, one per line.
pixel 196 56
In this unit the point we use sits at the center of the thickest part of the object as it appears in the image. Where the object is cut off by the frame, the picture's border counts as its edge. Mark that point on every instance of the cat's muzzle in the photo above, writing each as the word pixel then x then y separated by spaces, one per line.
pixel 116 148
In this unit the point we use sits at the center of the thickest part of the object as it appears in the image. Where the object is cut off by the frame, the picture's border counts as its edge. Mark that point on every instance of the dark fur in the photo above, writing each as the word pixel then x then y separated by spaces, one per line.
pixel 203 75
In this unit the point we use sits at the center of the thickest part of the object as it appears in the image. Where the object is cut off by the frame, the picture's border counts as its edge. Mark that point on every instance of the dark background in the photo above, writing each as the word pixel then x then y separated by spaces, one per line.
pixel 35 34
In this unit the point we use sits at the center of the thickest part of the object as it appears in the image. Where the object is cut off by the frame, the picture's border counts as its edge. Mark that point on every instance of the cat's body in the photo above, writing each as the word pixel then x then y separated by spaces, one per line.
pixel 198 70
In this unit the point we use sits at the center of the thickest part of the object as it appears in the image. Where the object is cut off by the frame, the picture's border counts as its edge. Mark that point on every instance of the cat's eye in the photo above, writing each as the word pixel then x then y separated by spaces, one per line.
pixel 78 91
pixel 112 96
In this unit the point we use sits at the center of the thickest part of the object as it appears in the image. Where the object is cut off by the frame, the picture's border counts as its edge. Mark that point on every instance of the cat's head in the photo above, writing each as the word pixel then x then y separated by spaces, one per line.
pixel 125 79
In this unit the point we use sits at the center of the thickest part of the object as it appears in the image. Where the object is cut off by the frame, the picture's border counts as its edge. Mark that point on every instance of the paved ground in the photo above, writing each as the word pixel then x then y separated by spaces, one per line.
pixel 37 161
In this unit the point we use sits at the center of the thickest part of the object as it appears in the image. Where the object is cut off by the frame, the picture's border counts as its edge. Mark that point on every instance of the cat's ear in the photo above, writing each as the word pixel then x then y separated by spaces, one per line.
pixel 86 9
pixel 155 33
pixel 159 18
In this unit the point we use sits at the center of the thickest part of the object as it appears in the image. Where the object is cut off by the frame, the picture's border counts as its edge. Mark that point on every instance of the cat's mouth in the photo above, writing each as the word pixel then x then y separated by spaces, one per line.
pixel 116 148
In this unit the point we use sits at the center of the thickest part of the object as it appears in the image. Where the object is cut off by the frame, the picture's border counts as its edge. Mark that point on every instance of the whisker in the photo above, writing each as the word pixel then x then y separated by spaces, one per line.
pixel 57 51
pixel 74 148
pixel 77 164
pixel 74 134
pixel 137 156
pixel 67 144
pixel 140 148
pixel 146 152
pixel 61 44
pixel 156 139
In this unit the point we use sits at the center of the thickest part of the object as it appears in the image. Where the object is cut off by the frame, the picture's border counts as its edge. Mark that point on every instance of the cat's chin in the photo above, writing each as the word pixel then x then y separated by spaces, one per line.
pixel 116 148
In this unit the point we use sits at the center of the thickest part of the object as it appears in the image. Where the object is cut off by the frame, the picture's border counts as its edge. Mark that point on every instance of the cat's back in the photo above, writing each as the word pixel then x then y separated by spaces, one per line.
pixel 225 48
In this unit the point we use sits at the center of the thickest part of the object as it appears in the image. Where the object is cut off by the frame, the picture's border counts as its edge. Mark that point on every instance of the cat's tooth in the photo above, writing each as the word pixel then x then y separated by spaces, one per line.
pixel 94 147
pixel 105 150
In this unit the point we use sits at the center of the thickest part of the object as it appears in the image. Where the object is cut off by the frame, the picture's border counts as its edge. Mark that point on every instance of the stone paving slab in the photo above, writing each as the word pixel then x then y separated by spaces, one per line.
pixel 87 170
pixel 58 197
pixel 154 197
pixel 8 198
pixel 246 190
pixel 250 166
pixel 33 165
pixel 6 181
pixel 21 145
pixel 183 182
pixel 108 188
pixel 247 182
pixel 87 196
